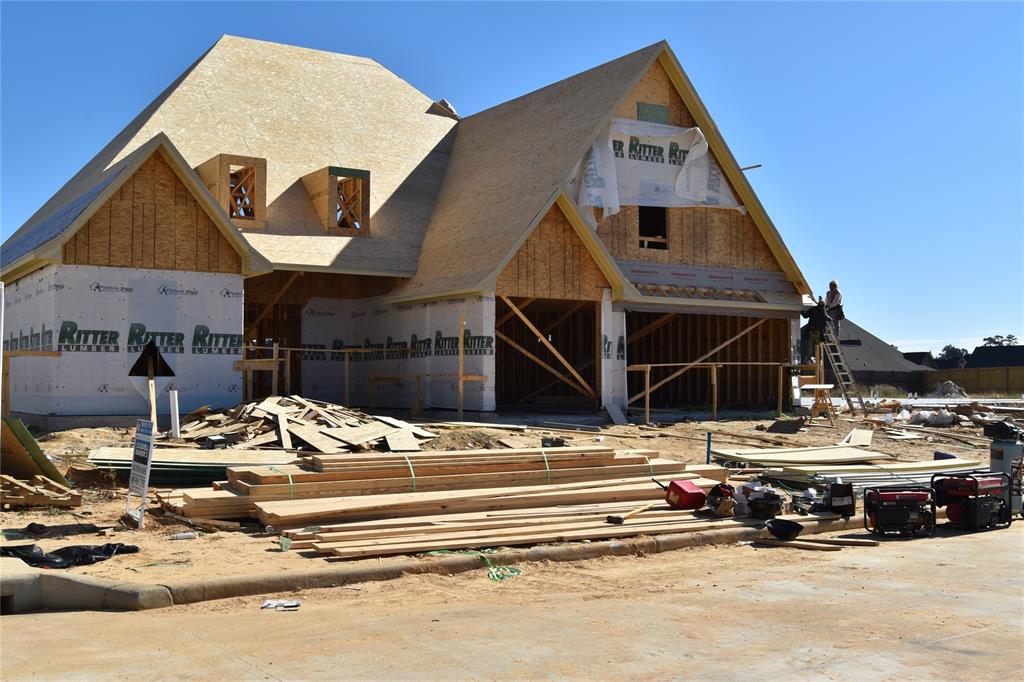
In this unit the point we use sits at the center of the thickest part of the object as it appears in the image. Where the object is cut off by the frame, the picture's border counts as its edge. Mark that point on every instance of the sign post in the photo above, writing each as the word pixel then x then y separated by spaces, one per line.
pixel 142 461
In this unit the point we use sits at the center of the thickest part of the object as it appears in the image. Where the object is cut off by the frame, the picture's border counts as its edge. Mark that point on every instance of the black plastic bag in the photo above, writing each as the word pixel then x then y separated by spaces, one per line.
pixel 66 557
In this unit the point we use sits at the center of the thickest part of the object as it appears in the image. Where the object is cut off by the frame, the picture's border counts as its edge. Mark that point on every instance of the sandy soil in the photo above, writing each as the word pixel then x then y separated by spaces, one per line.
pixel 252 551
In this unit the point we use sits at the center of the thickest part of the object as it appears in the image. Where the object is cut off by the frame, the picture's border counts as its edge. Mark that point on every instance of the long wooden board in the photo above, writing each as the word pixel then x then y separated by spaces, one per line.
pixel 608 531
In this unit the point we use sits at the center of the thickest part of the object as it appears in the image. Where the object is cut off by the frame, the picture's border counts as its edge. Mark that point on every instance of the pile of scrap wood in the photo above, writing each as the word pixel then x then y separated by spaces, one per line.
pixel 333 488
pixel 40 491
pixel 297 423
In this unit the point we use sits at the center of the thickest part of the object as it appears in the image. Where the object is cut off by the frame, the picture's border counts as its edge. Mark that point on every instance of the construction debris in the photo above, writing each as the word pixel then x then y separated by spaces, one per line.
pixel 40 491
pixel 295 423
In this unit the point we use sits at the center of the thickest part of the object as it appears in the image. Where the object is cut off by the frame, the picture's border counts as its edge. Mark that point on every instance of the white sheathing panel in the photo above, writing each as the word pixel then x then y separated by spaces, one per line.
pixel 101 317
pixel 30 324
pixel 613 354
pixel 429 331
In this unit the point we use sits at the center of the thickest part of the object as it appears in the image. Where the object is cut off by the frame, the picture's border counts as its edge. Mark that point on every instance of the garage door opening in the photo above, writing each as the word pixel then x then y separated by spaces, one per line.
pixel 673 340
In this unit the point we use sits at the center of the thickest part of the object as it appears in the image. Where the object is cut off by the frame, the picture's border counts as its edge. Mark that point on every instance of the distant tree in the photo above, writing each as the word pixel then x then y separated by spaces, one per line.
pixel 999 340
pixel 951 352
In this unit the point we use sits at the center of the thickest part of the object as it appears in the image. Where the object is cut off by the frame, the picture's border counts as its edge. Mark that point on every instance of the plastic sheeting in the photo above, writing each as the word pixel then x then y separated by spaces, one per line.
pixel 640 163
pixel 66 557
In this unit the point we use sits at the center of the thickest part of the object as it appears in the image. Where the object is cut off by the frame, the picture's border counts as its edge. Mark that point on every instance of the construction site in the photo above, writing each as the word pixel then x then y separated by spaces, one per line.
pixel 543 368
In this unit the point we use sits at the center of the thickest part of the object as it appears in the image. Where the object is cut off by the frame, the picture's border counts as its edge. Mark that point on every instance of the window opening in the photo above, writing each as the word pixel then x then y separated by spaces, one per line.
pixel 349 208
pixel 242 184
pixel 653 227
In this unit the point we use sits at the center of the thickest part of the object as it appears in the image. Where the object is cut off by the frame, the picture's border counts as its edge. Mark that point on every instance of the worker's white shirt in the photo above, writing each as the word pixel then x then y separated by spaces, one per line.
pixel 833 298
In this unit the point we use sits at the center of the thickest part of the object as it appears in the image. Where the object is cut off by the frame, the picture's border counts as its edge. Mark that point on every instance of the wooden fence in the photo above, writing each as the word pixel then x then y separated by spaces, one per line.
pixel 1004 381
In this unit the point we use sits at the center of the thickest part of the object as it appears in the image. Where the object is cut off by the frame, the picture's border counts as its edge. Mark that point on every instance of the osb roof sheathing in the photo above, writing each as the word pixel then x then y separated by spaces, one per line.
pixel 301 110
pixel 507 164
pixel 451 200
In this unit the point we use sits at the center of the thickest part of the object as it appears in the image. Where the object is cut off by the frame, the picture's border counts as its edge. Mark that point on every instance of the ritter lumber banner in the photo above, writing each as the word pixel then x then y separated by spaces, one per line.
pixel 640 163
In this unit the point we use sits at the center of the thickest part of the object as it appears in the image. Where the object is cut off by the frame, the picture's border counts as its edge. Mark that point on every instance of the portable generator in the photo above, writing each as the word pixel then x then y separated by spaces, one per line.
pixel 904 510
pixel 973 501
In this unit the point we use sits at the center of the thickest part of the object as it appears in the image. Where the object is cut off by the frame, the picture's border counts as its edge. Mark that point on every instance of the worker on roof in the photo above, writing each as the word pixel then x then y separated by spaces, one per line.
pixel 834 305
pixel 810 335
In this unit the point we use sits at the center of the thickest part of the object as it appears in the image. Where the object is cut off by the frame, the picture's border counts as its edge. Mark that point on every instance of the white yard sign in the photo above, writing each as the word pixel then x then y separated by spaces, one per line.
pixel 142 462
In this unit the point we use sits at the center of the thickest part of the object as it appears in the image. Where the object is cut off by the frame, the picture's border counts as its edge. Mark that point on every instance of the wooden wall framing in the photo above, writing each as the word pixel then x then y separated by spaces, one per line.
pixel 681 338
pixel 264 288
pixel 153 222
pixel 553 263
pixel 572 327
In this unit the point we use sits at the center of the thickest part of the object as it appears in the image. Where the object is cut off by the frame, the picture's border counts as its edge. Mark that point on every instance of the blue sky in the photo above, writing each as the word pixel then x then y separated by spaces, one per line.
pixel 891 134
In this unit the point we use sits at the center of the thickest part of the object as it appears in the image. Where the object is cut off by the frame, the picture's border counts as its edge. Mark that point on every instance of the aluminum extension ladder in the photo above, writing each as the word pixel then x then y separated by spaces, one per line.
pixel 844 378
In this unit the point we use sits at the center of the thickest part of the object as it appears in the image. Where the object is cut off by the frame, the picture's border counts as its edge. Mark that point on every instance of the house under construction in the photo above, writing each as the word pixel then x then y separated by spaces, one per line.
pixel 280 207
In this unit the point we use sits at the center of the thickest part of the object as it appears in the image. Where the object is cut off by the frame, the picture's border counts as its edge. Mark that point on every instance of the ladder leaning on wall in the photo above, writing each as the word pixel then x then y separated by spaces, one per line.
pixel 841 370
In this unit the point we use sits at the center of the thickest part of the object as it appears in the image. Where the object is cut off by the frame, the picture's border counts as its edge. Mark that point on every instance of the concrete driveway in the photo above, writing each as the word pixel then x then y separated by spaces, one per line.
pixel 942 608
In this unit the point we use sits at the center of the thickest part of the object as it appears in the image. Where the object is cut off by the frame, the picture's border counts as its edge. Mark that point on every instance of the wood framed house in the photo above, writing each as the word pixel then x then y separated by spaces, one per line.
pixel 329 205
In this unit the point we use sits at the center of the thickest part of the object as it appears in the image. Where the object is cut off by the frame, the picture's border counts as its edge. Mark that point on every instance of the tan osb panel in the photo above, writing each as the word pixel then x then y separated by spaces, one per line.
pixel 553 263
pixel 507 164
pixel 301 110
pixel 153 221
pixel 656 88
pixel 698 235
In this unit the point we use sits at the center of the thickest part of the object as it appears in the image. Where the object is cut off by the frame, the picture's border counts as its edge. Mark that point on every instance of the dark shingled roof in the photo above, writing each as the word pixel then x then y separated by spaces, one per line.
pixel 866 352
pixel 996 356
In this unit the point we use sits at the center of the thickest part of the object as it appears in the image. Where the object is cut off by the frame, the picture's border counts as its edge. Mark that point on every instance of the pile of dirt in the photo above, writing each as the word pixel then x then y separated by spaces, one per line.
pixel 947 389
pixel 470 439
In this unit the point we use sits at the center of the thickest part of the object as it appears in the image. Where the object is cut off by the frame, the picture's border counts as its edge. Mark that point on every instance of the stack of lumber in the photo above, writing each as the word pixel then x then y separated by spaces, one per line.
pixel 824 455
pixel 294 422
pixel 353 485
pixel 40 491
pixel 190 464
pixel 505 528
pixel 871 474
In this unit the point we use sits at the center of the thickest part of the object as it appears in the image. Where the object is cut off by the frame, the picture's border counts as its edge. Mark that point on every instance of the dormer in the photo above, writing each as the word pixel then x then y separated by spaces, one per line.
pixel 342 199
pixel 239 184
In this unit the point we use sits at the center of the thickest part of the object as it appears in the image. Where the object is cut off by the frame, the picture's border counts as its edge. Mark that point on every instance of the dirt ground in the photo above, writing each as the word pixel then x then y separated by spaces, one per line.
pixel 254 551
pixel 948 607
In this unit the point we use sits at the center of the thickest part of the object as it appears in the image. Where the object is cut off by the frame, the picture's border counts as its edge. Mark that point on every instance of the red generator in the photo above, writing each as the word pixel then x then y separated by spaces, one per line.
pixel 974 501
pixel 904 510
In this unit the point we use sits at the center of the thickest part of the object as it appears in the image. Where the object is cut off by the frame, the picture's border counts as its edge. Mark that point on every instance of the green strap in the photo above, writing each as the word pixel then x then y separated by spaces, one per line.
pixel 291 482
pixel 649 465
pixel 412 472
pixel 547 466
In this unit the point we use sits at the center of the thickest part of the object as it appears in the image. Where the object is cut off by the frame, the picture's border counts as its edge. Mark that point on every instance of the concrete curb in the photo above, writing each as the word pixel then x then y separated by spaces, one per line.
pixel 45 590
pixel 189 592
pixel 26 589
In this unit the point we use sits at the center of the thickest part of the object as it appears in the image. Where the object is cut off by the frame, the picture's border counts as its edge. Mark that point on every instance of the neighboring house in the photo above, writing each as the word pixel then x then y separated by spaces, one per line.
pixel 873 361
pixel 316 200
pixel 951 363
pixel 996 356
pixel 923 358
